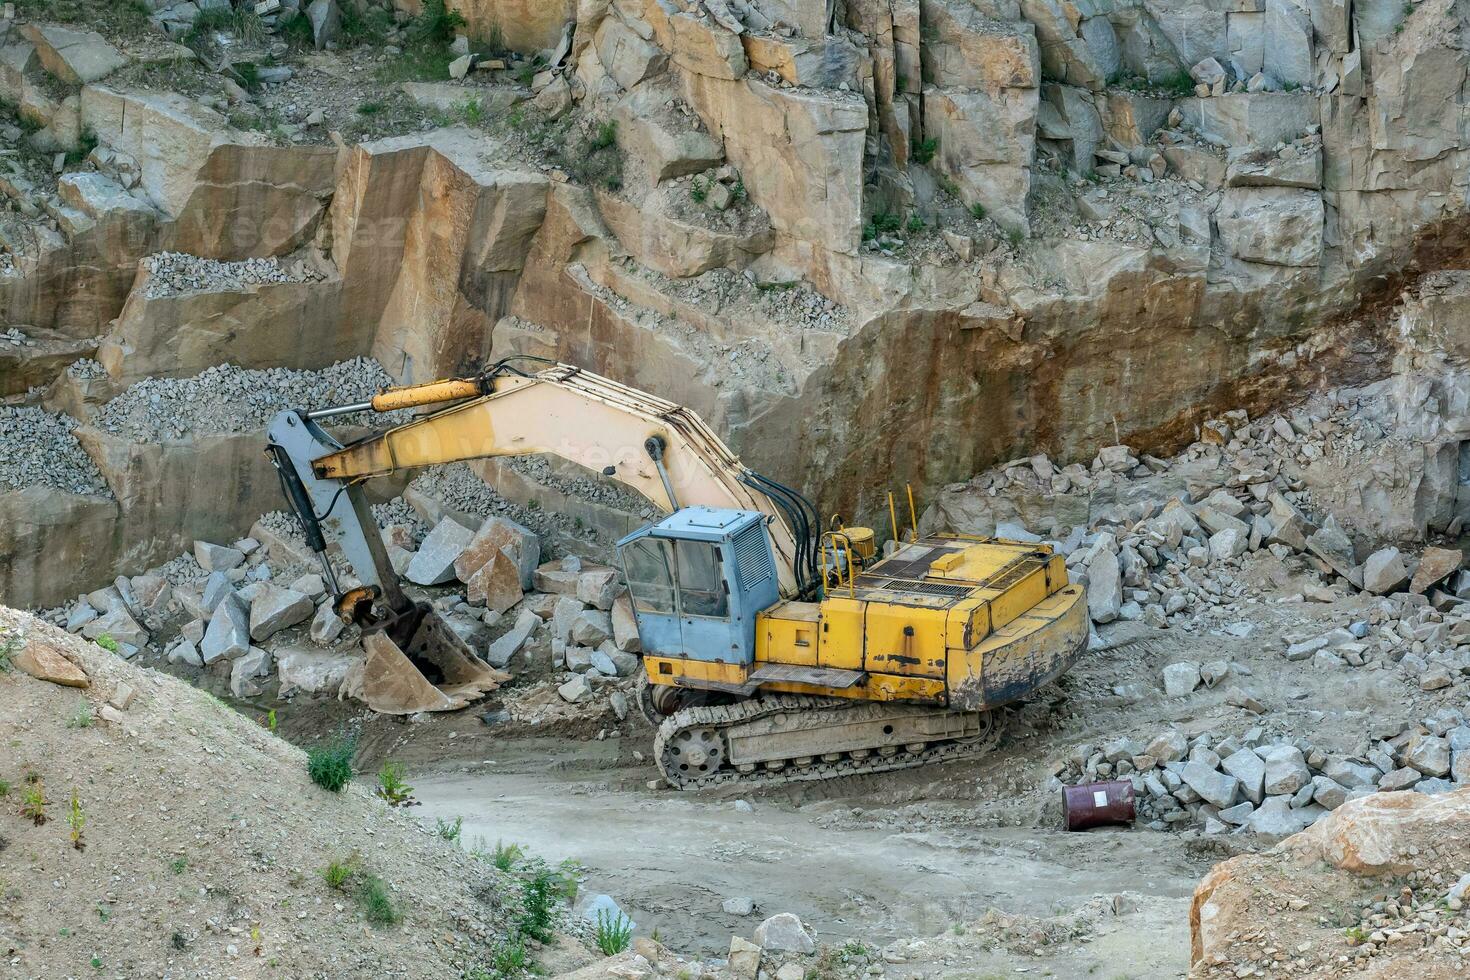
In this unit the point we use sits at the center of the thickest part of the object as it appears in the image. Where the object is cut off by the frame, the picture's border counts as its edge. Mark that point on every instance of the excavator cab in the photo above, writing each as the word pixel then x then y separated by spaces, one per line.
pixel 697 580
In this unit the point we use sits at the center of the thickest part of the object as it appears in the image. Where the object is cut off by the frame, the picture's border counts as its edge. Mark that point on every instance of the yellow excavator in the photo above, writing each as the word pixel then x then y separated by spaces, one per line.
pixel 775 646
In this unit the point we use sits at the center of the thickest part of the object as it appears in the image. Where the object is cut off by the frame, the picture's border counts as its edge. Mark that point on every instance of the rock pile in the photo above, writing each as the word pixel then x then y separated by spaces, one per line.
pixel 230 399
pixel 1272 786
pixel 41 451
pixel 172 273
pixel 1162 540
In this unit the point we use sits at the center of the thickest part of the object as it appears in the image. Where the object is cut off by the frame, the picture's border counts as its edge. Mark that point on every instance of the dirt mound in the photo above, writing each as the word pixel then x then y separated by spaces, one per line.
pixel 203 843
pixel 1376 889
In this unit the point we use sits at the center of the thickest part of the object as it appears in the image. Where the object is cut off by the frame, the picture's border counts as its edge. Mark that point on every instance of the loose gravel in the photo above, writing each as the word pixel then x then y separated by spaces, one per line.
pixel 172 273
pixel 86 369
pixel 227 398
pixel 39 450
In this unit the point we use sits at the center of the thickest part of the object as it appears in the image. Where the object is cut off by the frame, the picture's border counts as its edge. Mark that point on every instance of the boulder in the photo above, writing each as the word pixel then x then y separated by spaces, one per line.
pixel 1328 793
pixel 625 625
pixel 1214 787
pixel 1428 754
pixel 47 663
pixel 556 576
pixel 325 18
pixel 1227 544
pixel 1384 572
pixel 564 616
pixel 496 584
pixel 625 55
pixel 575 690
pixel 312 672
pixel 598 586
pixel 1180 679
pixel 1286 769
pixel 1104 587
pixel 1276 817
pixel 247 671
pixel 591 627
pixel 228 634
pixel 1435 565
pixel 326 625
pixel 784 933
pixel 504 647
pixel 744 959
pixel 274 609
pixel 72 56
pixel 216 557
pixel 518 542
pixel 1247 767
pixel 433 564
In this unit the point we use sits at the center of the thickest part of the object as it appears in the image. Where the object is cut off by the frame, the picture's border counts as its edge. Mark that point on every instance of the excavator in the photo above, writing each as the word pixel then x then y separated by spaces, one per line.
pixel 775 646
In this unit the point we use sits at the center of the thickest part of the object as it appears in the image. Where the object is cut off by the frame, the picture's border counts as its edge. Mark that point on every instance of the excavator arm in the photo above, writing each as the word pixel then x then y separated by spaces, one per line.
pixel 663 451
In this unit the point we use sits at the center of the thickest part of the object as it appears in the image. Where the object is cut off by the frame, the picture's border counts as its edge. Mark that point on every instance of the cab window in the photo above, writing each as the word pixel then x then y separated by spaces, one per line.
pixel 648 567
pixel 701 588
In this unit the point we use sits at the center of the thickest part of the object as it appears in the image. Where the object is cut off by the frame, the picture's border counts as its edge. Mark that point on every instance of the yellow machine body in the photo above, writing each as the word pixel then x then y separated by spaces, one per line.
pixel 966 623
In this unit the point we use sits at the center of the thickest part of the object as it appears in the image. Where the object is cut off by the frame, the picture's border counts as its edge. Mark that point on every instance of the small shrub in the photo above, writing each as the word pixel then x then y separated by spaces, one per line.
pixel 369 108
pixel 614 932
pixel 1015 236
pixel 506 856
pixel 83 717
pixel 338 873
pixel 698 190
pixel 330 766
pixel 392 786
pixel 924 150
pixel 4 788
pixel 607 135
pixel 915 223
pixel 449 830
pixel 270 720
pixel 248 26
pixel 435 24
pixel 538 900
pixel 978 210
pixel 33 803
pixel 377 904
pixel 473 112
pixel 76 820
pixel 1178 84
pixel 179 865
pixel 737 192
pixel 106 642
pixel 511 959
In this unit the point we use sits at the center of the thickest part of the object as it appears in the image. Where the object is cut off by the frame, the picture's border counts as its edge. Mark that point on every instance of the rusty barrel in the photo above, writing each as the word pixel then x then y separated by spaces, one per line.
pixel 1098 804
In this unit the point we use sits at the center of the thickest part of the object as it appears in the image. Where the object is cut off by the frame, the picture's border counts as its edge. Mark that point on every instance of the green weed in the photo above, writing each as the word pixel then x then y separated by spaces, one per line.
pixel 449 830
pixel 510 959
pixel 1178 84
pixel 915 223
pixel 698 190
pixel 330 766
pixel 33 803
pixel 506 856
pixel 338 873
pixel 607 135
pixel 614 932
pixel 106 642
pixel 179 865
pixel 978 210
pixel 392 786
pixel 76 820
pixel 83 717
pixel 369 108
pixel 924 150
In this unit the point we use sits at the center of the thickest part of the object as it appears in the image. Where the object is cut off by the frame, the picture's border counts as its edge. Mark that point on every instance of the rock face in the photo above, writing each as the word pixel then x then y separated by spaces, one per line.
pixel 1373 837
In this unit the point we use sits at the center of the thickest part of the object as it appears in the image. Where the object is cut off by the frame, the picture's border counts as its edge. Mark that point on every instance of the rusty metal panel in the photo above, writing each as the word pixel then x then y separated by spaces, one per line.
pixel 905 640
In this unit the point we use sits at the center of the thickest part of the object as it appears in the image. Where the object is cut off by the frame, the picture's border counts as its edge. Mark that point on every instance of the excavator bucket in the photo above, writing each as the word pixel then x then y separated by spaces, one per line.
pixel 434 670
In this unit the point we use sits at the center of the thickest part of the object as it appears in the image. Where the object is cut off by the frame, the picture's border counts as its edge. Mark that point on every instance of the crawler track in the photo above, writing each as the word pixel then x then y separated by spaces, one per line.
pixel 804 712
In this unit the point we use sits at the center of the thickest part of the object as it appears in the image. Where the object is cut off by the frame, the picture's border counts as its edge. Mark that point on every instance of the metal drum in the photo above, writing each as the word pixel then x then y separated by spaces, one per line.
pixel 1098 804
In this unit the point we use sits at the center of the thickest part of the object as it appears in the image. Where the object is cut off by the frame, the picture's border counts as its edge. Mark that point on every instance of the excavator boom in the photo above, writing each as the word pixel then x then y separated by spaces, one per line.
pixel 661 450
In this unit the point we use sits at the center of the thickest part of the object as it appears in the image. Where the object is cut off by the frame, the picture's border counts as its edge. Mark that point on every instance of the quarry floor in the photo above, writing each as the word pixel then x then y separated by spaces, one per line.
pixel 878 860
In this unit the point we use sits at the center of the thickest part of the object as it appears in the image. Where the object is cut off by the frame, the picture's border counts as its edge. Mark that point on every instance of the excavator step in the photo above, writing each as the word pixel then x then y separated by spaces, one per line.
pixel 832 677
